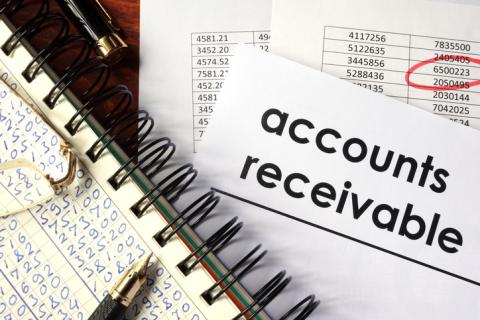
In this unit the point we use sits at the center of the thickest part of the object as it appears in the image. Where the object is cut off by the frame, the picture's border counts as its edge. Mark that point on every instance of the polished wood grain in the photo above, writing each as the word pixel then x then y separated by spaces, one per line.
pixel 126 15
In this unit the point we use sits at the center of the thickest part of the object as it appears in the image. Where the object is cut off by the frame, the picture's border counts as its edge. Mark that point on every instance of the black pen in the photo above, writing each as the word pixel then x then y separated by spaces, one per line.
pixel 94 22
pixel 116 302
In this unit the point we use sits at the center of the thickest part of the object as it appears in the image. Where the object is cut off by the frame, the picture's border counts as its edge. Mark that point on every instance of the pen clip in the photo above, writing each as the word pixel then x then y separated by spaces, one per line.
pixel 106 15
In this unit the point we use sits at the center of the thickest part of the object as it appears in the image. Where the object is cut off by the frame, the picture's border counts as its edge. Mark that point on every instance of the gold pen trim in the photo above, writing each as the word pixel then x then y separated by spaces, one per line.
pixel 104 11
pixel 130 283
pixel 111 48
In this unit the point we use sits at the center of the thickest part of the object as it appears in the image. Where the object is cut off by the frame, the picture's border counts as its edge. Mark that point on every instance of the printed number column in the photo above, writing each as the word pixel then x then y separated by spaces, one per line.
pixel 211 54
pixel 446 64
pixel 371 59
pixel 261 40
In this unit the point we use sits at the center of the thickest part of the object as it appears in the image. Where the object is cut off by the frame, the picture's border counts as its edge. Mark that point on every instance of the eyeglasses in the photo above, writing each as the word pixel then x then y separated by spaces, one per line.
pixel 35 160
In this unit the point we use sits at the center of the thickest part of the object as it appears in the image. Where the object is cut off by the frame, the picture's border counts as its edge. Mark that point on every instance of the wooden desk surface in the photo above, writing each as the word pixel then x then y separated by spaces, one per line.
pixel 126 14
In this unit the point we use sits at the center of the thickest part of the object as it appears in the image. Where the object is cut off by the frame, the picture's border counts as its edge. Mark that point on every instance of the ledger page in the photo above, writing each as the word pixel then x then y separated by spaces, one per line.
pixel 59 259
pixel 185 53
pixel 425 53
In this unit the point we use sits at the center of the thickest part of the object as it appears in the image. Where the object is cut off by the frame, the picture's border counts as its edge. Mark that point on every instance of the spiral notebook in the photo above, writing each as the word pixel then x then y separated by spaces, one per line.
pixel 58 259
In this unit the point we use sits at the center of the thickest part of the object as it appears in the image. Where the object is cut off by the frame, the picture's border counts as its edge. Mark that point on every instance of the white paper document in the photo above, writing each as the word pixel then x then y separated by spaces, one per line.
pixel 425 53
pixel 185 53
pixel 369 203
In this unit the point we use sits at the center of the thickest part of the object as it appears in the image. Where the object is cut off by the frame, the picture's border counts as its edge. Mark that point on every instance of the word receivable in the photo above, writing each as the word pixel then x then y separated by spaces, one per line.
pixel 325 195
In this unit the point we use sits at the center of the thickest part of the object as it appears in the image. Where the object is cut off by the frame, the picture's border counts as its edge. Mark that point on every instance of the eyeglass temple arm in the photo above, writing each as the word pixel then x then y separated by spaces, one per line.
pixel 55 184
pixel 67 152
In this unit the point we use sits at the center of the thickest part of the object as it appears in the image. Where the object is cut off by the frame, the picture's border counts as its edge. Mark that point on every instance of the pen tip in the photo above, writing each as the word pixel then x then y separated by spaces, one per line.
pixel 142 264
pixel 147 259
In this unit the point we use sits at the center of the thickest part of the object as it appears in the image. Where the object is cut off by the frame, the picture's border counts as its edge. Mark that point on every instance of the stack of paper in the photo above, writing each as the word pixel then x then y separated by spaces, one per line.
pixel 367 197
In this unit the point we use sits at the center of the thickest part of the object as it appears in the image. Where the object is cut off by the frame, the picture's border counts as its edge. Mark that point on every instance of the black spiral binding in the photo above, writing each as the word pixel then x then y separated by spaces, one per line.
pixel 154 156
pixel 216 242
pixel 265 295
pixel 10 7
pixel 215 291
pixel 150 157
pixel 199 209
pixel 303 309
pixel 139 120
pixel 55 50
pixel 33 27
pixel 93 66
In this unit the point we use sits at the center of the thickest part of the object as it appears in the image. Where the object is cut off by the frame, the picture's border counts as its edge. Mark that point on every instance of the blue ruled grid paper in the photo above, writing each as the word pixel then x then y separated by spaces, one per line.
pixel 59 259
